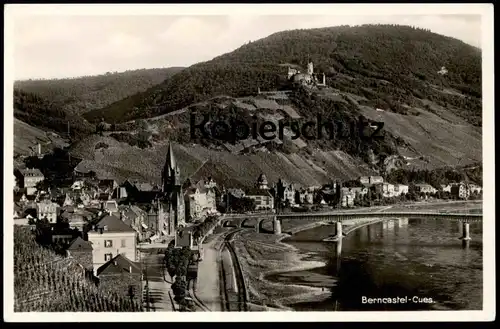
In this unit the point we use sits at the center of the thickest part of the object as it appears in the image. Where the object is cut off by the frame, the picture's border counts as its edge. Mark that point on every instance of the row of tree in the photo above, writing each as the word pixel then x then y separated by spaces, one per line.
pixel 177 261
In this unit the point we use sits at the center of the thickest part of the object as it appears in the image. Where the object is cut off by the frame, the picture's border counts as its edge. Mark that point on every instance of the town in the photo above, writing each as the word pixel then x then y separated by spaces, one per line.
pixel 103 224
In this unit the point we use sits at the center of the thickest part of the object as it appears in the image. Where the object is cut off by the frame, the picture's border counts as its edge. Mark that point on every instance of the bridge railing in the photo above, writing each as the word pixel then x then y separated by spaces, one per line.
pixel 383 214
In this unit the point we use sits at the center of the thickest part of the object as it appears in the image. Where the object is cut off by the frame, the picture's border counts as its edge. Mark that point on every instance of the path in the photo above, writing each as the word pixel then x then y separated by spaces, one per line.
pixel 159 287
pixel 207 284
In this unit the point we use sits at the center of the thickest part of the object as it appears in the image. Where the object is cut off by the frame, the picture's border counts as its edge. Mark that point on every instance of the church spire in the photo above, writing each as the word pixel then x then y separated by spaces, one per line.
pixel 170 163
pixel 171 172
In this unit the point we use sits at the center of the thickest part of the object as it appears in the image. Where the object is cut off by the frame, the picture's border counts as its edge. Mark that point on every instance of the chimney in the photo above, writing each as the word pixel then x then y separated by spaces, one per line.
pixel 115 263
pixel 39 149
pixel 130 269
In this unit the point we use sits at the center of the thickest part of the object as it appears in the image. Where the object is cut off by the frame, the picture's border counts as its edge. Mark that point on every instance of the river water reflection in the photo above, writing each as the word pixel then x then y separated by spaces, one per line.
pixel 395 258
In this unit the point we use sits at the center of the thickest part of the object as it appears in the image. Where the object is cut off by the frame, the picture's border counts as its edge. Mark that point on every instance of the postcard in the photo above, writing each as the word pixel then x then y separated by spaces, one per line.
pixel 302 162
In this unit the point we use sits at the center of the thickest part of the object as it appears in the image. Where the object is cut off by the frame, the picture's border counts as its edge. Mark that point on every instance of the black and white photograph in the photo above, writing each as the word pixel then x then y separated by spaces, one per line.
pixel 320 160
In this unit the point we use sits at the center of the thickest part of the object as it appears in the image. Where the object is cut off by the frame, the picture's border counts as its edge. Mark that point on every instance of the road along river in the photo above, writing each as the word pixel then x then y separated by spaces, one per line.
pixel 405 264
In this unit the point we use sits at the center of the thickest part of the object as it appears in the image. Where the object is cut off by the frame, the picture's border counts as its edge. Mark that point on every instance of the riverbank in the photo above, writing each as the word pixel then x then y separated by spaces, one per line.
pixel 262 255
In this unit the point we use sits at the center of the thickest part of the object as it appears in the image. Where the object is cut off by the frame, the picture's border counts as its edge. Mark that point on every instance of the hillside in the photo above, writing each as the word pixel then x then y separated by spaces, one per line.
pixel 27 137
pixel 389 66
pixel 388 74
pixel 82 94
pixel 121 161
pixel 421 141
pixel 38 112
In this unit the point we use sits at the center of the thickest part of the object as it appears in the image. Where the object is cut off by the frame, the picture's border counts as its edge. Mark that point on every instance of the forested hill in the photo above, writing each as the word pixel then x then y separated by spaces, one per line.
pixel 387 64
pixel 82 94
pixel 39 112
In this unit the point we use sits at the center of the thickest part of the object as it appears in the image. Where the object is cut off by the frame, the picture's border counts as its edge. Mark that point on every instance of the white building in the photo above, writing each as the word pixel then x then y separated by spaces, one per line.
pixel 400 189
pixel 47 209
pixel 111 237
pixel 388 190
pixel 475 188
pixel 425 188
pixel 30 178
pixel 306 197
pixel 460 190
pixel 263 199
pixel 446 188
pixel 371 180
pixel 200 199
pixel 347 196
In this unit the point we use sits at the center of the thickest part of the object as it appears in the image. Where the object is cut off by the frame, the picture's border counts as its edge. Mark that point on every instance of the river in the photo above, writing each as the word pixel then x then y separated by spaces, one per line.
pixel 421 261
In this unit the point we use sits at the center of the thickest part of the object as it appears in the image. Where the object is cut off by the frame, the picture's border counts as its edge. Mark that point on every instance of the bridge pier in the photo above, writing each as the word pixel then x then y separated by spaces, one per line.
pixel 338 231
pixel 338 253
pixel 465 231
pixel 276 226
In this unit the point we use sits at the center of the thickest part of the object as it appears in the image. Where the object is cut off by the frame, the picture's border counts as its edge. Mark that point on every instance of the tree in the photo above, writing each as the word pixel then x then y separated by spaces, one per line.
pixel 243 204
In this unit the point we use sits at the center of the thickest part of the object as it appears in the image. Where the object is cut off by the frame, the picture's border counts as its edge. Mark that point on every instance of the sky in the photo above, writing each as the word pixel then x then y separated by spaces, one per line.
pixel 64 45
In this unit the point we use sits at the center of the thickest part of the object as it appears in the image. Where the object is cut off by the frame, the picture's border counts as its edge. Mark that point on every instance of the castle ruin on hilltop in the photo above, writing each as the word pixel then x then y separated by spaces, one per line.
pixel 309 79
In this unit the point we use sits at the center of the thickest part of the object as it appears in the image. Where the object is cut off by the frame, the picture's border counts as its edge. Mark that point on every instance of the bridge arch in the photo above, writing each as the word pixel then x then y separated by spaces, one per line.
pixel 260 225
pixel 230 223
pixel 250 222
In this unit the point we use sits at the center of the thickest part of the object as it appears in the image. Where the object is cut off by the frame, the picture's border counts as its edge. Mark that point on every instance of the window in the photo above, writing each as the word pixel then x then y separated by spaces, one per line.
pixel 107 257
pixel 124 243
pixel 108 243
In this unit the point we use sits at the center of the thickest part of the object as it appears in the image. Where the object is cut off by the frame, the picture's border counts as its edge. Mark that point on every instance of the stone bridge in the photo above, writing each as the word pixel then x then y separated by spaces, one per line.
pixel 256 220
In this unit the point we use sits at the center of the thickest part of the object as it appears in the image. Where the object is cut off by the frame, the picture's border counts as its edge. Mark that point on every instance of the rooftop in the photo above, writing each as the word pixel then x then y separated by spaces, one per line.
pixel 111 206
pixel 79 244
pixel 113 224
pixel 118 265
pixel 239 193
pixel 31 172
pixel 85 167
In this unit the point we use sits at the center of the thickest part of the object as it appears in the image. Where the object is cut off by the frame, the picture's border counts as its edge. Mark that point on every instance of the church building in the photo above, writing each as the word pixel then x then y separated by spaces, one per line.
pixel 170 205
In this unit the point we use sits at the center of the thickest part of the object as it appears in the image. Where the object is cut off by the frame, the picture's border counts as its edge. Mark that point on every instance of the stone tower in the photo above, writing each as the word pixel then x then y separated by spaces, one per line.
pixel 171 210
pixel 310 68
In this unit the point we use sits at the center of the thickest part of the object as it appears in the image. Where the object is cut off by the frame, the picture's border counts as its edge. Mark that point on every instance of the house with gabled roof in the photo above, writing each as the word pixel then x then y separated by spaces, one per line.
pixel 47 209
pixel 121 275
pixel 107 186
pixel 111 237
pixel 29 178
pixel 200 199
pixel 136 218
pixel 81 251
pixel 263 199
